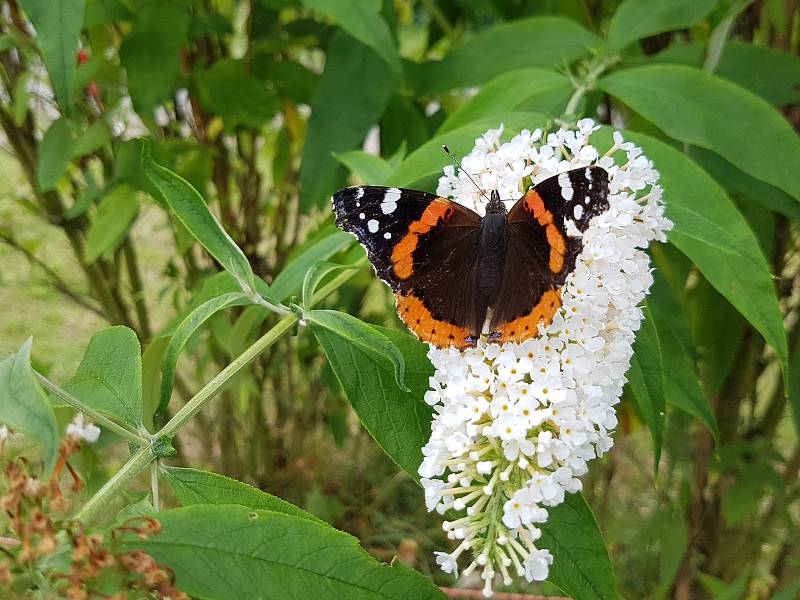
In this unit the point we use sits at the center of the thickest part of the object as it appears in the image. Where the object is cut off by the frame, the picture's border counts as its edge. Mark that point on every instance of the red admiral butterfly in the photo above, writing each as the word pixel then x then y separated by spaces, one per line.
pixel 450 268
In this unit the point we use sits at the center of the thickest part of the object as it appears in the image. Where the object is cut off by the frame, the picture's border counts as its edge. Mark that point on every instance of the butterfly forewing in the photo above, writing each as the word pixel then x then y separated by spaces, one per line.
pixel 424 247
pixel 544 240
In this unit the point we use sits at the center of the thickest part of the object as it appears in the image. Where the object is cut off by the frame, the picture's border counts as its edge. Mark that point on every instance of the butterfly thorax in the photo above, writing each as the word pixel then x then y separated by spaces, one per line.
pixel 492 252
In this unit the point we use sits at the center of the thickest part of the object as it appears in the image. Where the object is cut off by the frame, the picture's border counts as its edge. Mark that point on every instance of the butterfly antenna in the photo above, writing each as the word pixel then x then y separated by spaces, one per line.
pixel 458 164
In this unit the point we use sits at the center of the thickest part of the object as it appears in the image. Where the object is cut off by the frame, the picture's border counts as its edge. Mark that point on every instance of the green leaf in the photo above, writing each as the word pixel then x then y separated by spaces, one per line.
pixel 663 353
pixel 357 333
pixel 58 26
pixel 428 159
pixel 709 112
pixel 152 358
pixel 240 98
pixel 646 380
pixel 506 93
pixel 115 214
pixel 794 386
pixel 341 118
pixel 399 421
pixel 362 20
pixel 54 152
pixel 637 19
pixel 742 185
pixel 289 281
pixel 150 53
pixel 219 552
pixel 531 42
pixel 109 378
pixel 92 139
pixel 181 336
pixel 316 274
pixel 790 592
pixel 769 73
pixel 581 567
pixel 190 208
pixel 193 486
pixel 371 168
pixel 24 406
pixel 714 235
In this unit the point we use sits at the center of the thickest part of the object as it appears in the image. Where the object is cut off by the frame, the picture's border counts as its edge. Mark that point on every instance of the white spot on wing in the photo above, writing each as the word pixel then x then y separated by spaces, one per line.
pixel 387 236
pixel 587 199
pixel 359 193
pixel 372 225
pixel 578 211
pixel 390 199
pixel 566 186
pixel 362 216
pixel 589 175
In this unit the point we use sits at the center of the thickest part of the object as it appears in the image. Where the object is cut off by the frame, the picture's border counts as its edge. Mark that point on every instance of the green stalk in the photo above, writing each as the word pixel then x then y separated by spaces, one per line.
pixel 96 416
pixel 117 483
pixel 145 455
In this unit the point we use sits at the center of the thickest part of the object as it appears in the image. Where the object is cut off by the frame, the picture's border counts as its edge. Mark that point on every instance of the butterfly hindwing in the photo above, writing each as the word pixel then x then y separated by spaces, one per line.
pixel 544 240
pixel 424 247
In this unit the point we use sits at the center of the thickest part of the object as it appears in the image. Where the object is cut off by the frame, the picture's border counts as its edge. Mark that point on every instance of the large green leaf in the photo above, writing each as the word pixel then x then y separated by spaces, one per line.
pixel 227 89
pixel 741 185
pixel 362 19
pixel 58 26
pixel 190 208
pixel 150 53
pixel 355 332
pixel 194 486
pixel 429 158
pixel 714 235
pixel 343 108
pixel 371 168
pixel 221 552
pixel 769 73
pixel 109 377
pixel 399 421
pixel 24 406
pixel 53 154
pixel 531 42
pixel 714 114
pixel 646 381
pixel 581 567
pixel 183 334
pixel 289 281
pixel 663 353
pixel 506 93
pixel 637 19
pixel 115 214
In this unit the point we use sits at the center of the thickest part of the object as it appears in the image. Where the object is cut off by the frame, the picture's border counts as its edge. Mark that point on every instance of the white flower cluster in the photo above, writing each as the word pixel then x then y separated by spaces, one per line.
pixel 83 431
pixel 516 424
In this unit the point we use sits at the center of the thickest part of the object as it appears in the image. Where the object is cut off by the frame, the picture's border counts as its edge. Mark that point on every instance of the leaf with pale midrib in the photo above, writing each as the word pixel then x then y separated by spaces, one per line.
pixel 221 552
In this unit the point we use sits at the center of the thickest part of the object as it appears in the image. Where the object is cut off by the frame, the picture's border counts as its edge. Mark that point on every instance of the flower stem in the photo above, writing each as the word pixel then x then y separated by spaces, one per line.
pixel 98 417
pixel 154 483
pixel 588 84
pixel 118 482
pixel 145 455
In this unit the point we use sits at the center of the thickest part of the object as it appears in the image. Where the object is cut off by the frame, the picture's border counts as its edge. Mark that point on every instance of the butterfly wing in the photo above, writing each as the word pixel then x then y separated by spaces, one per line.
pixel 425 248
pixel 544 240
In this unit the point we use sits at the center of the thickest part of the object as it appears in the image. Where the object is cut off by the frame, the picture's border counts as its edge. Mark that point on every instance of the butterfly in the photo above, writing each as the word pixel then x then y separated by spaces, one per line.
pixel 453 271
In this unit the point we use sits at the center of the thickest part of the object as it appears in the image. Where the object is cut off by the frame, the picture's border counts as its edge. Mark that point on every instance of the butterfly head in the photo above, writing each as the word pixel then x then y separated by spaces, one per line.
pixel 495 206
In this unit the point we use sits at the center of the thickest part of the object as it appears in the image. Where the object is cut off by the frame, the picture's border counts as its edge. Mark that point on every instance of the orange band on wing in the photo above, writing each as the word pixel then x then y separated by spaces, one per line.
pixel 535 205
pixel 420 320
pixel 527 326
pixel 558 246
pixel 438 210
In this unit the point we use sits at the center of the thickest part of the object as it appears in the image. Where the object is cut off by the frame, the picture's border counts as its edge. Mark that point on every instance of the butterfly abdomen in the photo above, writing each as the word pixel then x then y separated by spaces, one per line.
pixel 492 255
